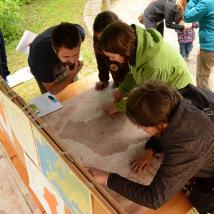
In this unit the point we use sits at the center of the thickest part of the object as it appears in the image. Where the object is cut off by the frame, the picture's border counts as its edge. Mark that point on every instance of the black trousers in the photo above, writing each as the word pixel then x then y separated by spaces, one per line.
pixel 3 58
pixel 200 192
pixel 160 27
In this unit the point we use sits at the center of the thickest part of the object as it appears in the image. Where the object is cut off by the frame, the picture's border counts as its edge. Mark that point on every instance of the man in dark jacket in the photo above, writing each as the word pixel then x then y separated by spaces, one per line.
pixel 54 56
pixel 184 130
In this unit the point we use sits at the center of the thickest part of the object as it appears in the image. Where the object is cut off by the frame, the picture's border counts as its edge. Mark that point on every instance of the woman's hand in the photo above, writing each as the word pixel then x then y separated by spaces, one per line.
pixel 101 85
pixel 110 109
pixel 99 175
pixel 142 162
pixel 117 96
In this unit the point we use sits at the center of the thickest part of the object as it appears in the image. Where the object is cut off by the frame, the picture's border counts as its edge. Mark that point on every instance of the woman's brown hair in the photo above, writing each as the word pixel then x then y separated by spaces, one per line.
pixel 118 38
pixel 152 104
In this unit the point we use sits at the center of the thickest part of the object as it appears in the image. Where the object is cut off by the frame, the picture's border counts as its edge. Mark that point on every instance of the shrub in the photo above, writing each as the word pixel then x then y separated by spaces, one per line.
pixel 11 20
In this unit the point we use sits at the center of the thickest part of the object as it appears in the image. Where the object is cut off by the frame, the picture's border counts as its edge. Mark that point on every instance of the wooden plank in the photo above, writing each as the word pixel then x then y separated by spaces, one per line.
pixel 18 165
pixel 77 88
pixel 15 198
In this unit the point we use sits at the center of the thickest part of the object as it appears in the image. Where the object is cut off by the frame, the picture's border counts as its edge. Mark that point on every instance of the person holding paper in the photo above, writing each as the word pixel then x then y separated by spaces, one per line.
pixel 54 56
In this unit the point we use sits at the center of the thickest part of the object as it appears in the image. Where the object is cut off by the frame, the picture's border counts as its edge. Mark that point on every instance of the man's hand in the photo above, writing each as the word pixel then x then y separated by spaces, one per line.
pixel 99 175
pixel 142 162
pixel 77 67
pixel 101 85
pixel 117 96
pixel 110 109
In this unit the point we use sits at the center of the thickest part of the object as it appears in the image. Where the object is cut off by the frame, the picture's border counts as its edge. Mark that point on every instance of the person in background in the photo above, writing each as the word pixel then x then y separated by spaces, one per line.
pixel 148 56
pixel 54 56
pixel 185 40
pixel 105 66
pixel 183 130
pixel 4 72
pixel 158 11
pixel 202 11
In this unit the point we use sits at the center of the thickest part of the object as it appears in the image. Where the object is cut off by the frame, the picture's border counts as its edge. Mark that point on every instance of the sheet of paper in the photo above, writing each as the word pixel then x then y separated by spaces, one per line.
pixel 24 43
pixel 46 104
pixel 19 77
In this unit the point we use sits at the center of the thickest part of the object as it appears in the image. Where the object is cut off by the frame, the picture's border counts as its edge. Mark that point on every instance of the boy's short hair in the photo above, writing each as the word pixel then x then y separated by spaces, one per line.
pixel 152 103
pixel 66 35
pixel 119 38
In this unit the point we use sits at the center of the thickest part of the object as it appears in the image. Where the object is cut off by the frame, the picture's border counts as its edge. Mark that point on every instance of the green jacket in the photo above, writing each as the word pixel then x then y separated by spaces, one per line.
pixel 155 59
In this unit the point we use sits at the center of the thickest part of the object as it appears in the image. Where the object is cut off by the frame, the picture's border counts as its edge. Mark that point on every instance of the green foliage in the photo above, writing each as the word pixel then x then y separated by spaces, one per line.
pixel 10 17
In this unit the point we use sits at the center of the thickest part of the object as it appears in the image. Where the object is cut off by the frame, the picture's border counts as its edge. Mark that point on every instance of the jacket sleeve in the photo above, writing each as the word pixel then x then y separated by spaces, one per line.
pixel 170 15
pixel 128 84
pixel 178 167
pixel 102 67
pixel 194 11
pixel 202 98
pixel 153 144
pixel 125 87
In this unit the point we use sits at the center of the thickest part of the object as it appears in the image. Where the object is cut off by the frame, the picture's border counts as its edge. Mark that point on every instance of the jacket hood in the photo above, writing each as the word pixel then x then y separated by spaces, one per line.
pixel 148 44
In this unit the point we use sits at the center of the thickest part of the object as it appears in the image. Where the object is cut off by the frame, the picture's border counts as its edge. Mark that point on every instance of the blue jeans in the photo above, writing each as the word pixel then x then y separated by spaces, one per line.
pixel 185 49
pixel 3 58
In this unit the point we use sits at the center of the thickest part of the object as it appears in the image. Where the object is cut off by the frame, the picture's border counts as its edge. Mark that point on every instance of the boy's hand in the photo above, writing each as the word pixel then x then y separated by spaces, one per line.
pixel 142 162
pixel 101 85
pixel 117 96
pixel 110 109
pixel 99 175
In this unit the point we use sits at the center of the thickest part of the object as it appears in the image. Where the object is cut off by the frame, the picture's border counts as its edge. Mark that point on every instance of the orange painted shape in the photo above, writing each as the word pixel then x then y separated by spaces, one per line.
pixel 67 211
pixel 2 112
pixel 51 200
pixel 7 145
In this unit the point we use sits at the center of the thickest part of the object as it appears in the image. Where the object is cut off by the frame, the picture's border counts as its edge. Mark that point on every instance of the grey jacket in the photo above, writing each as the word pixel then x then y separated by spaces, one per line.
pixel 159 10
pixel 188 148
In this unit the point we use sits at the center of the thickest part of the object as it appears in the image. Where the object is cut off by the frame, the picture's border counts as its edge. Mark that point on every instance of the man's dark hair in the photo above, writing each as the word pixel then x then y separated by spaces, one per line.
pixel 66 35
pixel 152 103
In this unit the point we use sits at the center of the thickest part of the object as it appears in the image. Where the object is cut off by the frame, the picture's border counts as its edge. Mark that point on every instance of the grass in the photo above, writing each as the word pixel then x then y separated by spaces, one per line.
pixel 39 15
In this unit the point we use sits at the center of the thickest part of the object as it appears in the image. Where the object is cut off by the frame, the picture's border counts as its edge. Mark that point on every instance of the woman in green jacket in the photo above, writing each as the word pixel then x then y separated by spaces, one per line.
pixel 148 55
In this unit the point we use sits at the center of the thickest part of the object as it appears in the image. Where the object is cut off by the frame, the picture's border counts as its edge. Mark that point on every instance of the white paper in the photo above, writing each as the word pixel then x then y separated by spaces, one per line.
pixel 24 43
pixel 19 77
pixel 45 104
